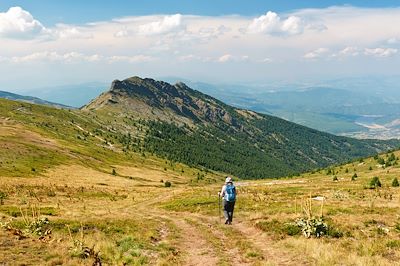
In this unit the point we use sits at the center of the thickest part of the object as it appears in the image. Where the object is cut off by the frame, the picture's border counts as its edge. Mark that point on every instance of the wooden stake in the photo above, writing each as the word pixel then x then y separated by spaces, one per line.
pixel 322 208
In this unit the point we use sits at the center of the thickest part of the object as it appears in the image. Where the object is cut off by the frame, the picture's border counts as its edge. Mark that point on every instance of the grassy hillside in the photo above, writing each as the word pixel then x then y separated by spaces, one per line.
pixel 182 124
pixel 36 138
pixel 362 218
pixel 73 209
pixel 82 187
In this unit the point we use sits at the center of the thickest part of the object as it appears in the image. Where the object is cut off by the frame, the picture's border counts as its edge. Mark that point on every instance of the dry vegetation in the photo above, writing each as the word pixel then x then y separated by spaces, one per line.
pixel 132 218
pixel 82 201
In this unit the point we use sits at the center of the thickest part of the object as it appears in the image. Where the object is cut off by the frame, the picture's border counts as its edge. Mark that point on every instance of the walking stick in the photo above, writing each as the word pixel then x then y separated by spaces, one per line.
pixel 219 207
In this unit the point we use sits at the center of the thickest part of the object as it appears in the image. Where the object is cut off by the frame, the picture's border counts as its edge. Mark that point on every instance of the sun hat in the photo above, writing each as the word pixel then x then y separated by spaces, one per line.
pixel 228 179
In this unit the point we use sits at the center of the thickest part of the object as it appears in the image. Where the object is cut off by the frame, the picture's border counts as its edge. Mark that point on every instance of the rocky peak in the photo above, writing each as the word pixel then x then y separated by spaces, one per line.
pixel 178 99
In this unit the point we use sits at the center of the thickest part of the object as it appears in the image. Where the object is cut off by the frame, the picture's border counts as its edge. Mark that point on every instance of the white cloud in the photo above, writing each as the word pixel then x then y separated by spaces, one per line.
pixel 292 25
pixel 271 23
pixel 55 57
pixel 122 33
pixel 149 25
pixel 380 52
pixel 191 57
pixel 350 51
pixel 231 58
pixel 75 57
pixel 131 59
pixel 70 32
pixel 267 60
pixel 203 34
pixel 316 53
pixel 204 46
pixel 393 40
pixel 225 58
pixel 164 25
pixel 17 23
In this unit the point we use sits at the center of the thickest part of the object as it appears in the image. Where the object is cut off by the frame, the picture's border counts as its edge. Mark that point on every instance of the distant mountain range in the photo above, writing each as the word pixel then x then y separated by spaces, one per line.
pixel 75 95
pixel 361 108
pixel 29 99
pixel 357 112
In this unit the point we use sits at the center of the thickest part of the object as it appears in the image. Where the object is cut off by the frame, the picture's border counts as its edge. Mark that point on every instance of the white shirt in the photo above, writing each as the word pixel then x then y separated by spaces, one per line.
pixel 223 192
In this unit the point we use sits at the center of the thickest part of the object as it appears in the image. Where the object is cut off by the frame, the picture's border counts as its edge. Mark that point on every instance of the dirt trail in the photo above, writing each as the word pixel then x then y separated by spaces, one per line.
pixel 262 242
pixel 197 247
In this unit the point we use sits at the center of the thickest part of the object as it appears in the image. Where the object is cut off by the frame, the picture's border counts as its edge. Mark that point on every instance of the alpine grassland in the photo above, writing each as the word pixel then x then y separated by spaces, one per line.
pixel 77 189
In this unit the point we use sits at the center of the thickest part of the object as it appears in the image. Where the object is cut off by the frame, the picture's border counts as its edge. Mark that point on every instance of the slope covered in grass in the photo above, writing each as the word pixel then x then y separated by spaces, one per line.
pixel 182 124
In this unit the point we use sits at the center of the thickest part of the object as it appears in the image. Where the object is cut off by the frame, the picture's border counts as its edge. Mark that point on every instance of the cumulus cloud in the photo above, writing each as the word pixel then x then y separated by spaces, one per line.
pixel 316 53
pixel 17 23
pixel 70 32
pixel 203 34
pixel 158 26
pixel 272 24
pixel 207 45
pixel 232 58
pixel 122 33
pixel 350 51
pixel 164 25
pixel 380 52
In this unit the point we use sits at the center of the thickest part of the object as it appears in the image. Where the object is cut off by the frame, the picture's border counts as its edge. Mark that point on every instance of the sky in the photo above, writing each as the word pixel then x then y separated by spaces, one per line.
pixel 45 43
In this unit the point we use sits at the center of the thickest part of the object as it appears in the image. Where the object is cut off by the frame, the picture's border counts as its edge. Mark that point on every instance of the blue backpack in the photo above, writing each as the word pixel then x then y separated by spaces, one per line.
pixel 231 192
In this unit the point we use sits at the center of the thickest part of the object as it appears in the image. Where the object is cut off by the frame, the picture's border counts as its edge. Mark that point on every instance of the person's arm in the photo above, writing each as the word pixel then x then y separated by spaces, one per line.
pixel 222 193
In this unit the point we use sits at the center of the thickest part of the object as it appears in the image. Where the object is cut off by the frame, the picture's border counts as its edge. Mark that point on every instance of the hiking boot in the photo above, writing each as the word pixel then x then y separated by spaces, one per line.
pixel 226 221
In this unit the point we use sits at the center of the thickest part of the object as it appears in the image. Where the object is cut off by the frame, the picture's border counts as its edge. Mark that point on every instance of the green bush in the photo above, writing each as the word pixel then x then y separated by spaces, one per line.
pixel 312 227
pixel 335 178
pixel 114 172
pixel 334 232
pixel 292 229
pixel 395 182
pixel 167 184
pixel 375 182
pixel 354 177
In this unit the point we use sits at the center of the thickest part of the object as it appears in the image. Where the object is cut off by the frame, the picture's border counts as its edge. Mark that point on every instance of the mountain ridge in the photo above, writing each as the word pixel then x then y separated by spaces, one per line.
pixel 186 125
pixel 30 99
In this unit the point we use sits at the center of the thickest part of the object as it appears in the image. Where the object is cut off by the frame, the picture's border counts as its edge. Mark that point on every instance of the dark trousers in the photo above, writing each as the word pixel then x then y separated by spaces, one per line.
pixel 228 210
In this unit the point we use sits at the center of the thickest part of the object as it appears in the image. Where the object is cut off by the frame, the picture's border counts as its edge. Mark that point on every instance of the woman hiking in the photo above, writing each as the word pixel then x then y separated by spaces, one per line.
pixel 228 193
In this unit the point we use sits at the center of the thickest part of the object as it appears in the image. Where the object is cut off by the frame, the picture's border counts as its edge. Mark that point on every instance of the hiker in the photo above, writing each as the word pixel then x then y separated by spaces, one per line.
pixel 228 193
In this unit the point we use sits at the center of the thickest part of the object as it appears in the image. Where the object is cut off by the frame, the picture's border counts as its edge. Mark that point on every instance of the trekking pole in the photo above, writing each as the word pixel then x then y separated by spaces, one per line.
pixel 219 207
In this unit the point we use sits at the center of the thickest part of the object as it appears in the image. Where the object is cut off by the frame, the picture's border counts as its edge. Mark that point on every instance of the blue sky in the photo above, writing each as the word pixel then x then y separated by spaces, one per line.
pixel 48 43
pixel 81 11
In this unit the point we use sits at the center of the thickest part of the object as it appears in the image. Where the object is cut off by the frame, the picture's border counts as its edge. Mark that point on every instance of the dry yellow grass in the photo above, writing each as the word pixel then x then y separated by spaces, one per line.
pixel 121 219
